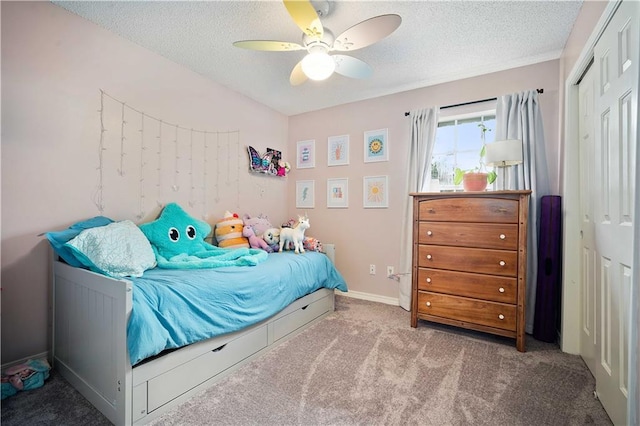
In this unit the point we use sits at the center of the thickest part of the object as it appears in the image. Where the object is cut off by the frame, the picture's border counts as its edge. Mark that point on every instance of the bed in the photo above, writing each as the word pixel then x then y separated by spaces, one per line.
pixel 135 347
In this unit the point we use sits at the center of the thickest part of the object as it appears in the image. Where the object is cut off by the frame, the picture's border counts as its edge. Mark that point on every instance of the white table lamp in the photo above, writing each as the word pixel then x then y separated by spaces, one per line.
pixel 503 154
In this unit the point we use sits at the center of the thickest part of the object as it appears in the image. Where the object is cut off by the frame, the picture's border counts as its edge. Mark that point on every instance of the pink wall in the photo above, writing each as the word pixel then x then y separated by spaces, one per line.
pixel 53 65
pixel 372 236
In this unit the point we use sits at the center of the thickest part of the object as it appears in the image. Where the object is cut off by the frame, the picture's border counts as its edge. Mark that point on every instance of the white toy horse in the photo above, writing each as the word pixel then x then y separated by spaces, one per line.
pixel 295 234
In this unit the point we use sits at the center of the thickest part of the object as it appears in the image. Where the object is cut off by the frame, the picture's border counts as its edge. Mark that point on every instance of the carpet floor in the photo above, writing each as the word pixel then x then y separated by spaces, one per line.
pixel 364 365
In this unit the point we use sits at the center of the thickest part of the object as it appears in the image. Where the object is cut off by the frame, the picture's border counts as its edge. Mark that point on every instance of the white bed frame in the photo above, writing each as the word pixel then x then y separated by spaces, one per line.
pixel 90 347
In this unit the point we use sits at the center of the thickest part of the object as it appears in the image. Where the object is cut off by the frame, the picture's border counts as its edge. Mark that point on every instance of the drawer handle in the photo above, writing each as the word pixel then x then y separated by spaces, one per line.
pixel 501 316
pixel 429 256
pixel 304 307
pixel 428 303
pixel 501 289
pixel 218 349
pixel 428 280
pixel 429 233
pixel 502 236
pixel 502 263
pixel 432 211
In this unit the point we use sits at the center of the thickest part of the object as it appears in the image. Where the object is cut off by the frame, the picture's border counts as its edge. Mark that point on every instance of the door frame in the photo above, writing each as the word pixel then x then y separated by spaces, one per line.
pixel 571 291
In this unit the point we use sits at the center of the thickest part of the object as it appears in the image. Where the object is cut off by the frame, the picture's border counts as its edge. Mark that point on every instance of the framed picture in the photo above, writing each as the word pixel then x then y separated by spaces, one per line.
pixel 376 192
pixel 337 193
pixel 306 154
pixel 305 194
pixel 376 146
pixel 338 150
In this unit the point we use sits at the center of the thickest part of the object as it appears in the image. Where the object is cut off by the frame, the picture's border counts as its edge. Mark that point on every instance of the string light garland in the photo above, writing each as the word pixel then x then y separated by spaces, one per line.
pixel 205 173
pixel 197 194
pixel 122 138
pixel 176 170
pixel 98 199
pixel 159 168
pixel 217 185
pixel 192 202
pixel 141 211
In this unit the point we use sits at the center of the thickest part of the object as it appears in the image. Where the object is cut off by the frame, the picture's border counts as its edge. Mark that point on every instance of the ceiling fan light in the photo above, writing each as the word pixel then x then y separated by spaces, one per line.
pixel 318 66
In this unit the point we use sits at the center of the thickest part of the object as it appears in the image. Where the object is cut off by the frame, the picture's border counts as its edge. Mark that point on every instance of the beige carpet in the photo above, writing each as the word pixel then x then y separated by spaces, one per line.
pixel 365 365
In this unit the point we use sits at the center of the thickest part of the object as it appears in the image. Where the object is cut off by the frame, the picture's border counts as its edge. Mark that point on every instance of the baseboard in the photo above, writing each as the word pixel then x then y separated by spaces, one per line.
pixel 41 355
pixel 370 297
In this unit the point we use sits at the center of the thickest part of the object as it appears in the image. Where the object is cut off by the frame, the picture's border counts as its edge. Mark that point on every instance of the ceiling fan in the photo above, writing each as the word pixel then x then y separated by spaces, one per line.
pixel 318 64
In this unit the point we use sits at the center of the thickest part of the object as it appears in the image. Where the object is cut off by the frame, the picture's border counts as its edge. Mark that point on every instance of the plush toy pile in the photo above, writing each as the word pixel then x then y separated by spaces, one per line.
pixel 178 242
pixel 257 232
pixel 229 232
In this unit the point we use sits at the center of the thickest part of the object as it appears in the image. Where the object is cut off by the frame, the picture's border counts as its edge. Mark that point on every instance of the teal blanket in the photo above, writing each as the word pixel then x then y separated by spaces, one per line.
pixel 213 257
pixel 174 308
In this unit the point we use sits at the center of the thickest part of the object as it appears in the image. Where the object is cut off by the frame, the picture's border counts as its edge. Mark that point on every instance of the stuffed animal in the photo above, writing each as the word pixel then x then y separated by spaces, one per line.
pixel 312 244
pixel 272 237
pixel 228 232
pixel 175 232
pixel 254 241
pixel 259 224
pixel 295 234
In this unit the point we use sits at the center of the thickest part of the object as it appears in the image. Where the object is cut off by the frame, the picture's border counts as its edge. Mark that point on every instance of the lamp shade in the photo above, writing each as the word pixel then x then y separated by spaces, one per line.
pixel 503 153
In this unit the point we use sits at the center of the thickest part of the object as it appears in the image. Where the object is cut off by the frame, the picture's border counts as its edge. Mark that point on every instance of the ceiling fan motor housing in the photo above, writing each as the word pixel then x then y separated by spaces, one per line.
pixel 312 43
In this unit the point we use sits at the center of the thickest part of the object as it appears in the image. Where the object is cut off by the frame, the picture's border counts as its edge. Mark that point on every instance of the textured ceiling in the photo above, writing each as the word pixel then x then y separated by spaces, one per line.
pixel 436 42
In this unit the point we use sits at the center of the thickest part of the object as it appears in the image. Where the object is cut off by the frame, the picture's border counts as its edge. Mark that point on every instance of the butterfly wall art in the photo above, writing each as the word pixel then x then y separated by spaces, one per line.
pixel 269 163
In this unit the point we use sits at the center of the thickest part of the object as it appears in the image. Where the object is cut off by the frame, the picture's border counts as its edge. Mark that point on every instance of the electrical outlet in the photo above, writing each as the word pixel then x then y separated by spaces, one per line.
pixel 372 269
pixel 390 271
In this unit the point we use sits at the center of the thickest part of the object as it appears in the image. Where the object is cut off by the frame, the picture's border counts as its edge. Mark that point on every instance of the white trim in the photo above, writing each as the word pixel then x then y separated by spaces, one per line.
pixel 370 297
pixel 41 355
pixel 587 52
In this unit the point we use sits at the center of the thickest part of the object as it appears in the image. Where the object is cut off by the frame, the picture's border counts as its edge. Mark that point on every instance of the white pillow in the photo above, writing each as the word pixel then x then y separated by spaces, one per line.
pixel 119 249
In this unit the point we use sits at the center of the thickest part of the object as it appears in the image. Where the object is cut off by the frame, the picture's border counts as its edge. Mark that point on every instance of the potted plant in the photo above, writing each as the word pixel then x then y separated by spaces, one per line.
pixel 475 179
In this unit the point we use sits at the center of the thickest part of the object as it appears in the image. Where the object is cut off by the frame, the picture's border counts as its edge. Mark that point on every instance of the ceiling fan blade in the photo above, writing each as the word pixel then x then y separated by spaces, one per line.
pixel 297 76
pixel 352 67
pixel 304 15
pixel 367 32
pixel 268 45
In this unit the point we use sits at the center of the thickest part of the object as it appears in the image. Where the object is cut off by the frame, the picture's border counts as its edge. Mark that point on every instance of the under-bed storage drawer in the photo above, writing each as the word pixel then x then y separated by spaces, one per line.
pixel 299 317
pixel 179 380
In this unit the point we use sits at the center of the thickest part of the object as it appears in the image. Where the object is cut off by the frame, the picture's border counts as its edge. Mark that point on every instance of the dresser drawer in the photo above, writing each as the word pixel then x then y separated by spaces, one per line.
pixel 490 314
pixel 487 287
pixel 483 261
pixel 485 209
pixel 487 235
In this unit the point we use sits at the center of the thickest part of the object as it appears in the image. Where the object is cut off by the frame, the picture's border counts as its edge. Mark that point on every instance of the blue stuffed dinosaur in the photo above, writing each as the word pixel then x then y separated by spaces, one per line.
pixel 178 242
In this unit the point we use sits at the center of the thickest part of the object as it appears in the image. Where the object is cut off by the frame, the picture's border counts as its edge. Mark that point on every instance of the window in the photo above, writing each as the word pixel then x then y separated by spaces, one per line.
pixel 458 144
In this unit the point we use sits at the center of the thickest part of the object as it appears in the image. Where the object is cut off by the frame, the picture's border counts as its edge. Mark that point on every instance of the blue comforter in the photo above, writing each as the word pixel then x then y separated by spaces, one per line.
pixel 173 308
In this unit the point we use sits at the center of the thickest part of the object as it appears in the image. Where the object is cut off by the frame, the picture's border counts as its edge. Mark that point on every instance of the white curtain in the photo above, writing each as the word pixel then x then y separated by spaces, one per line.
pixel 518 117
pixel 424 123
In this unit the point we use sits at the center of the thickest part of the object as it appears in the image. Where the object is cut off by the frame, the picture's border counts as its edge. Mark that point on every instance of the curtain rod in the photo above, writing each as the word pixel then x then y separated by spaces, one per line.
pixel 472 102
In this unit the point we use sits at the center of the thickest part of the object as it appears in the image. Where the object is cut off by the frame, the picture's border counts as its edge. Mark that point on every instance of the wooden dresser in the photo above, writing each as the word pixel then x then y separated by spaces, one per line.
pixel 469 260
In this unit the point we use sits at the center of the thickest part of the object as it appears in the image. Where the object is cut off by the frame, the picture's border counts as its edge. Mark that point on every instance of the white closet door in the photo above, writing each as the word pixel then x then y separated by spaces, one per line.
pixel 616 84
pixel 588 331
